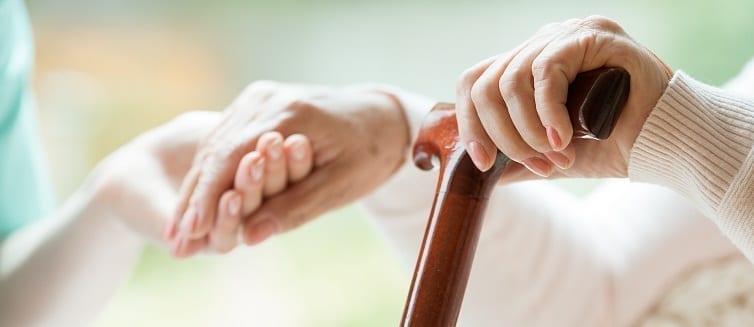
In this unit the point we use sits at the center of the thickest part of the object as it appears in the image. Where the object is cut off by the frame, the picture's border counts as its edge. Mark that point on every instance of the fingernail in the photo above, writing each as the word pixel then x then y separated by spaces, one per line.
pixel 538 166
pixel 175 246
pixel 234 205
pixel 558 159
pixel 257 170
pixel 168 230
pixel 262 231
pixel 275 150
pixel 188 221
pixel 478 156
pixel 299 151
pixel 555 142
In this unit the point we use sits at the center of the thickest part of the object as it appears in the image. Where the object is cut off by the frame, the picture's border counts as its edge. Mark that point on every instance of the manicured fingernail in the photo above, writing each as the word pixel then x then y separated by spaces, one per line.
pixel 234 205
pixel 299 151
pixel 257 169
pixel 558 159
pixel 538 166
pixel 478 156
pixel 262 231
pixel 188 221
pixel 275 150
pixel 555 142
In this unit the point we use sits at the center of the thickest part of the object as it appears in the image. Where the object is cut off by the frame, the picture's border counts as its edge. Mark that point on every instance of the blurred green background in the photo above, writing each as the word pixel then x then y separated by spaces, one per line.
pixel 108 70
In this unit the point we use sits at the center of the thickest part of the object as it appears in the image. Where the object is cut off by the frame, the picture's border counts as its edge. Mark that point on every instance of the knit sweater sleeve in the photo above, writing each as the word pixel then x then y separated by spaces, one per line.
pixel 547 258
pixel 698 142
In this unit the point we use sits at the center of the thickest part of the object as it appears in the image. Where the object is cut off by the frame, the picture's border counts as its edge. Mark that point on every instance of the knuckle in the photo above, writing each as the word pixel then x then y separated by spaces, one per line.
pixel 600 23
pixel 218 155
pixel 513 83
pixel 302 106
pixel 466 80
pixel 296 113
pixel 479 94
pixel 543 69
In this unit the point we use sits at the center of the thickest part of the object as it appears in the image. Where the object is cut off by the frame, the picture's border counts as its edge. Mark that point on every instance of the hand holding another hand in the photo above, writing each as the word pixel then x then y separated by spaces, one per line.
pixel 359 137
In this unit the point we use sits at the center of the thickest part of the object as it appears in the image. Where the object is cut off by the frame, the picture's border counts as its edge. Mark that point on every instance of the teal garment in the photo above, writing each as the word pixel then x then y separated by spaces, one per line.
pixel 25 190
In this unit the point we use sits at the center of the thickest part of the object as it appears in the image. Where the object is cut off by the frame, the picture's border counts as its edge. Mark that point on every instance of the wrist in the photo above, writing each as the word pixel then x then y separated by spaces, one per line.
pixel 412 108
pixel 388 127
pixel 94 194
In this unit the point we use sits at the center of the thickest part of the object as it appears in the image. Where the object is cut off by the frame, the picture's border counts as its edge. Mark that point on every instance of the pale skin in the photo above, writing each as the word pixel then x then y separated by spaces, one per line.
pixel 512 102
pixel 124 201
pixel 355 139
pixel 515 102
pixel 262 173
pixel 354 134
pixel 47 264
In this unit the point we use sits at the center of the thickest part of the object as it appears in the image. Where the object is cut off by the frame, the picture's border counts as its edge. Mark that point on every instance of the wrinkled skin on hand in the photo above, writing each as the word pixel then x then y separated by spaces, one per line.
pixel 359 138
pixel 515 101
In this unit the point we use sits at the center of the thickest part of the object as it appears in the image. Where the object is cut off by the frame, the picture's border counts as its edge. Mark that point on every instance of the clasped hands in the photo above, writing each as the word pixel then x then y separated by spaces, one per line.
pixel 281 154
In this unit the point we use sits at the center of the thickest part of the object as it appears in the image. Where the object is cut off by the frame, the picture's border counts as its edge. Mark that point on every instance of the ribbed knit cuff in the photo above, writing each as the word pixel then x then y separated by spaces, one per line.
pixel 695 141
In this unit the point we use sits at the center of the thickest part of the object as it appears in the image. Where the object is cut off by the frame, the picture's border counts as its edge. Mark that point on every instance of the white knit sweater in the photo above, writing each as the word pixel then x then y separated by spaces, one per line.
pixel 547 258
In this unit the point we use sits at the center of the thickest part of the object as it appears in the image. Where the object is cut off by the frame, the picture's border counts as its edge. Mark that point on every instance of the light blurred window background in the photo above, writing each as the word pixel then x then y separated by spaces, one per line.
pixel 108 70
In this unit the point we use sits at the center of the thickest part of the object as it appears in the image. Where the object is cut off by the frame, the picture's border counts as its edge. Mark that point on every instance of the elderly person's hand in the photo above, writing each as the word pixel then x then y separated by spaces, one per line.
pixel 139 183
pixel 515 102
pixel 262 173
pixel 359 137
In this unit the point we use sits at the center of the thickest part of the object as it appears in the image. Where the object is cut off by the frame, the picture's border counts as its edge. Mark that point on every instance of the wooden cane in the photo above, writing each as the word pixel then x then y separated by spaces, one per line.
pixel 595 100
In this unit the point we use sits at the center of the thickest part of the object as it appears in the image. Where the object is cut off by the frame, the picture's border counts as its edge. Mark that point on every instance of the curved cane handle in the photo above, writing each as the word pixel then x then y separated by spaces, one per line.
pixel 595 100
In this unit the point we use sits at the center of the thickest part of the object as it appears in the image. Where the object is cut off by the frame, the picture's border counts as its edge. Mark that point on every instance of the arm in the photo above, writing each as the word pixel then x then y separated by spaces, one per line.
pixel 698 141
pixel 674 131
pixel 548 258
pixel 65 267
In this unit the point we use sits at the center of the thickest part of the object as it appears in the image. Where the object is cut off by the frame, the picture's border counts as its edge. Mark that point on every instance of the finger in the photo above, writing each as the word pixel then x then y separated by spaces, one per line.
pixel 299 156
pixel 319 192
pixel 250 180
pixel 563 159
pixel 497 123
pixel 184 247
pixel 223 236
pixel 516 85
pixel 215 178
pixel 478 144
pixel 276 176
pixel 556 67
pixel 189 182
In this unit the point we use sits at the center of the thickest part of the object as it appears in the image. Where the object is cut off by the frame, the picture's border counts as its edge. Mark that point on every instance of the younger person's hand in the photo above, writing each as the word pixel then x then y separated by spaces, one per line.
pixel 359 138
pixel 262 173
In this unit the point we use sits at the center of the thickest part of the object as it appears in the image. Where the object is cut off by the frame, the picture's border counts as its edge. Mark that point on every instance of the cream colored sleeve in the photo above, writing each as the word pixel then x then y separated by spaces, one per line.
pixel 546 258
pixel 698 142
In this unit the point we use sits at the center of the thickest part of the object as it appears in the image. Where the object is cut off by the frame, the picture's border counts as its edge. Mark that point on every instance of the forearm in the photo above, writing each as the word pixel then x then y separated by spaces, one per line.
pixel 546 258
pixel 698 142
pixel 534 252
pixel 64 268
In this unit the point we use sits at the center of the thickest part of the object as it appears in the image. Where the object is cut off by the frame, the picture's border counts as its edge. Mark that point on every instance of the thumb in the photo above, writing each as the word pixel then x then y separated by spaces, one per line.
pixel 324 190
